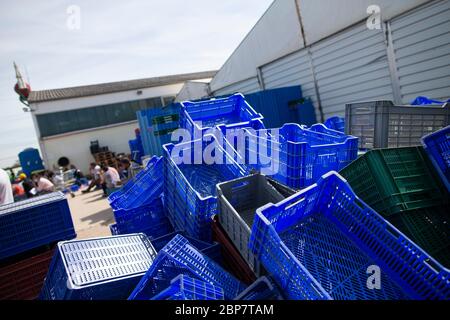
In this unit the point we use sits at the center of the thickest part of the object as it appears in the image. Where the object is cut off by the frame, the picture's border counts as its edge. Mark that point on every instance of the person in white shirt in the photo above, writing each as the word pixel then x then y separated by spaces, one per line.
pixel 95 171
pixel 43 185
pixel 111 178
pixel 6 192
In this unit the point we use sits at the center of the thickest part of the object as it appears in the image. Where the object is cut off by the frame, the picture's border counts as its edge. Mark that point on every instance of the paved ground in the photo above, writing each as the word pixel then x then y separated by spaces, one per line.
pixel 91 214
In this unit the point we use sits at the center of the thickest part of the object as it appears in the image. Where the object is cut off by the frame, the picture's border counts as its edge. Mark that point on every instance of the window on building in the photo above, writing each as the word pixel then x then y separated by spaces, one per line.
pixel 79 119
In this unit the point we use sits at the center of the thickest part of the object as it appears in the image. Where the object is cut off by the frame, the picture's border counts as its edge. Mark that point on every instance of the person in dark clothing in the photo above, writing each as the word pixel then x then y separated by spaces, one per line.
pixel 27 184
pixel 124 170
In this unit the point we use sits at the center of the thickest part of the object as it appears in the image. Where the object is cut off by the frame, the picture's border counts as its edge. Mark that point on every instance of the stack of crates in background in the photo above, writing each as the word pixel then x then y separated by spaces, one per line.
pixel 98 269
pixel 156 126
pixel 321 243
pixel 138 206
pixel 179 257
pixel 28 231
pixel 297 156
pixel 381 124
pixel 402 185
pixel 189 188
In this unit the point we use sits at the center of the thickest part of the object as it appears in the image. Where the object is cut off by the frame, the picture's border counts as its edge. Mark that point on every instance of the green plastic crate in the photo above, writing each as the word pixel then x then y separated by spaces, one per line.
pixel 396 180
pixel 429 229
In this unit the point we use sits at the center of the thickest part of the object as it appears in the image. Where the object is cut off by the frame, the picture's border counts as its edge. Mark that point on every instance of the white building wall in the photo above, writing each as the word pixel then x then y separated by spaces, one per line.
pixel 75 146
pixel 275 34
pixel 192 90
pixel 278 32
pixel 322 18
pixel 421 40
pixel 246 86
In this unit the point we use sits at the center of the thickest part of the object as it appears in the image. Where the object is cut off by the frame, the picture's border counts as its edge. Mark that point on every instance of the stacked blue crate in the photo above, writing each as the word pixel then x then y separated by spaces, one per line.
pixel 234 112
pixel 156 126
pixel 327 240
pixel 178 257
pixel 98 269
pixel 33 223
pixel 296 155
pixel 189 188
pixel 138 206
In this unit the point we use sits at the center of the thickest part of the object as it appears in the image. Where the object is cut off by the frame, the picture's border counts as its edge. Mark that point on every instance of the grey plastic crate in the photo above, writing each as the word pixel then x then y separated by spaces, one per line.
pixel 238 201
pixel 381 124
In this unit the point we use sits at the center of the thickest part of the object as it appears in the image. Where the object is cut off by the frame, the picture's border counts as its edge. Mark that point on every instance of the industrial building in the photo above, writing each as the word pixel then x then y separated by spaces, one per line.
pixel 68 119
pixel 344 53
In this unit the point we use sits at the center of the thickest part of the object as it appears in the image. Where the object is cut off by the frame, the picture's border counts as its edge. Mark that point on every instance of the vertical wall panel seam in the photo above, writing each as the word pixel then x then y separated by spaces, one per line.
pixel 395 80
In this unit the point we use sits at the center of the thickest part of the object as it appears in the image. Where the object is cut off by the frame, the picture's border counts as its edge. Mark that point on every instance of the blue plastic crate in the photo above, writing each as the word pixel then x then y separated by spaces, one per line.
pixel 320 242
pixel 98 269
pixel 180 257
pixel 34 222
pixel 233 112
pixel 335 123
pixel 264 288
pixel 186 288
pixel 152 231
pixel 156 125
pixel 113 229
pixel 150 213
pixel 189 189
pixel 295 155
pixel 212 250
pixel 130 183
pixel 146 188
pixel 437 145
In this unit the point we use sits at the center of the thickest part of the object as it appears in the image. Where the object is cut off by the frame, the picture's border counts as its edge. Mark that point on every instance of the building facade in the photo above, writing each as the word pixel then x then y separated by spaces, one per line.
pixel 345 51
pixel 67 120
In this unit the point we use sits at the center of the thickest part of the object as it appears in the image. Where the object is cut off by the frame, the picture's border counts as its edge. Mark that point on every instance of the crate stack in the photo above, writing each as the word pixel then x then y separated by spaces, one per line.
pixel 138 205
pixel 296 155
pixel 321 242
pixel 28 232
pixel 180 257
pixel 302 232
pixel 106 158
pixel 402 185
pixel 381 124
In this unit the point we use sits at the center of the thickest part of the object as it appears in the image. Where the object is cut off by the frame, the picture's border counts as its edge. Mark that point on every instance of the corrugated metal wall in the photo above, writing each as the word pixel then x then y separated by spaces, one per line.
pixel 351 66
pixel 246 86
pixel 421 41
pixel 291 70
pixel 410 57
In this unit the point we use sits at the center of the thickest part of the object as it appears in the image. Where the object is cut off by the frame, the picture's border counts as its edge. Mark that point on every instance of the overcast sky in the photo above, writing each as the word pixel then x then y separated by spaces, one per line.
pixel 117 40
